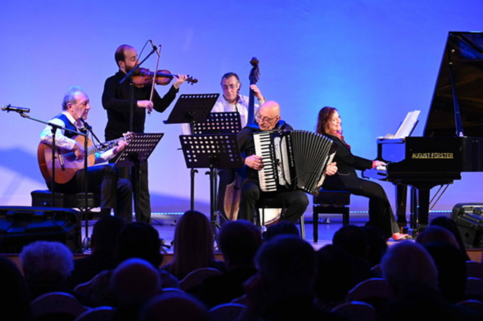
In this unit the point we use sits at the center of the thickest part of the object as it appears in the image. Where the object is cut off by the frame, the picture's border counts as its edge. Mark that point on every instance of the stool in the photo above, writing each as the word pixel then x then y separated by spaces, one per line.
pixel 266 202
pixel 330 202
pixel 44 198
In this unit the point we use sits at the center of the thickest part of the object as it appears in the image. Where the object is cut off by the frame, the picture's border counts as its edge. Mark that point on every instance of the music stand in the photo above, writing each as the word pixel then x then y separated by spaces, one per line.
pixel 192 109
pixel 219 123
pixel 136 153
pixel 211 151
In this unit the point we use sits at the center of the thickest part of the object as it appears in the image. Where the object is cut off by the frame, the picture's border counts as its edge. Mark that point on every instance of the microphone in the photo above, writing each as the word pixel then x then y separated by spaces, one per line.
pixel 86 125
pixel 17 109
pixel 155 48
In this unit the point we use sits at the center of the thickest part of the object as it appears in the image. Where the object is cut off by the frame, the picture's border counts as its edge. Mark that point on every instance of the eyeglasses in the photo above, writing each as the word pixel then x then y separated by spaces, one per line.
pixel 264 119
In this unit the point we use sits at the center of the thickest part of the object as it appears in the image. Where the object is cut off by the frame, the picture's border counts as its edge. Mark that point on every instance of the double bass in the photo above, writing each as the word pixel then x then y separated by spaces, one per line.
pixel 233 190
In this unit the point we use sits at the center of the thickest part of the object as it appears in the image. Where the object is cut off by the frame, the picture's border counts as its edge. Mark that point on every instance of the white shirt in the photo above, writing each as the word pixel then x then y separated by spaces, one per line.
pixel 66 143
pixel 241 106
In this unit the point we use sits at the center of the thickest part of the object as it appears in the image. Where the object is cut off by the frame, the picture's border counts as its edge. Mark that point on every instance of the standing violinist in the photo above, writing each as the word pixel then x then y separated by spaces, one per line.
pixel 117 100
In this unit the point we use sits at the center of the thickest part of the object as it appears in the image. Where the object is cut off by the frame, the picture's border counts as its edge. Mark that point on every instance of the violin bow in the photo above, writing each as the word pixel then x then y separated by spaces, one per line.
pixel 154 77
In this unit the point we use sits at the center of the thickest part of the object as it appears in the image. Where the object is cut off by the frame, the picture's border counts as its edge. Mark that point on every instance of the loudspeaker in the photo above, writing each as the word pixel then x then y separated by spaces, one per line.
pixel 469 218
pixel 20 226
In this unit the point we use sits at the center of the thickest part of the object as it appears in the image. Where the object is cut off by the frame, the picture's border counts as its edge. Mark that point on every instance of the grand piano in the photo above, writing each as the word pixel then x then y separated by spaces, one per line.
pixel 453 134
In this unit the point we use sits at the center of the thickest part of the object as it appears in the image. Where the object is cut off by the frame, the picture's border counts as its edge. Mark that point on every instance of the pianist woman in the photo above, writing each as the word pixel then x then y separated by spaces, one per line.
pixel 380 212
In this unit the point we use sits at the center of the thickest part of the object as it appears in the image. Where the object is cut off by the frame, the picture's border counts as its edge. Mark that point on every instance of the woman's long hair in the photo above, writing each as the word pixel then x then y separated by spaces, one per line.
pixel 193 244
pixel 325 114
pixel 323 126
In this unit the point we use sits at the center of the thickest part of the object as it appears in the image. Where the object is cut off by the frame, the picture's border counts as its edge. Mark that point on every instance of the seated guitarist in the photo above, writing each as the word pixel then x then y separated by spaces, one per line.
pixel 116 193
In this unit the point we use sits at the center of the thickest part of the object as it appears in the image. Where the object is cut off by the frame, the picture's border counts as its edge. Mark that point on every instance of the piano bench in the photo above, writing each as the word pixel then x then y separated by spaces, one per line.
pixel 330 202
pixel 266 203
pixel 43 198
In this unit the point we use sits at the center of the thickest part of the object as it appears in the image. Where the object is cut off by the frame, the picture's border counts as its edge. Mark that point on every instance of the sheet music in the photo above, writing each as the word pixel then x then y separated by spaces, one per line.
pixel 406 126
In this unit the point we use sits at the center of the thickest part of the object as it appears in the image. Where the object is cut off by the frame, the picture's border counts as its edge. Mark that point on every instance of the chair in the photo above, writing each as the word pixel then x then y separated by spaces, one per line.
pixel 356 311
pixel 56 306
pixel 44 198
pixel 226 312
pixel 474 305
pixel 97 314
pixel 330 202
pixel 83 288
pixel 377 268
pixel 474 288
pixel 374 291
pixel 474 269
pixel 196 278
pixel 271 203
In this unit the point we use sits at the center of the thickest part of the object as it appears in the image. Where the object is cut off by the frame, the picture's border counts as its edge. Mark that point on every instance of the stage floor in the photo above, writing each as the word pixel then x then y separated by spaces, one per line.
pixel 165 225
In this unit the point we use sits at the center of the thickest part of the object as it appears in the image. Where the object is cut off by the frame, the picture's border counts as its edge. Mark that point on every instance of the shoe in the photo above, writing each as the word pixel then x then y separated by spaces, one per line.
pixel 400 236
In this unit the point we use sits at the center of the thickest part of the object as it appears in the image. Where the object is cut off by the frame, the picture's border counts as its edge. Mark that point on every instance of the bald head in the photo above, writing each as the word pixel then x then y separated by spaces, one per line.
pixel 268 115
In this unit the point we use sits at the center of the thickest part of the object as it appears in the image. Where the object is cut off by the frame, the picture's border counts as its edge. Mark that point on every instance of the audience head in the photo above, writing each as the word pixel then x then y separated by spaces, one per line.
pixel 281 228
pixel 139 240
pixel 174 306
pixel 376 244
pixel 451 226
pixel 193 243
pixel 334 274
pixel 451 265
pixel 287 266
pixel 44 261
pixel 105 232
pixel 14 297
pixel 352 239
pixel 408 265
pixel 134 282
pixel 435 233
pixel 239 242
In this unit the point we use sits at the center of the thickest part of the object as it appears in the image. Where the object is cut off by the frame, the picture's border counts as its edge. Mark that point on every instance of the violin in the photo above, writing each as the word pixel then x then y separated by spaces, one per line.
pixel 163 77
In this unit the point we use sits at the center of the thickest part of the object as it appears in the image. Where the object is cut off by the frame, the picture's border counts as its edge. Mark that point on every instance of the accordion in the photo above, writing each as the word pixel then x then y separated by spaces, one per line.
pixel 293 160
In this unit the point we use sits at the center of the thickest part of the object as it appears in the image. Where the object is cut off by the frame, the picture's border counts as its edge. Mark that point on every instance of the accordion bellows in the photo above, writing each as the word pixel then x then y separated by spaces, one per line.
pixel 293 159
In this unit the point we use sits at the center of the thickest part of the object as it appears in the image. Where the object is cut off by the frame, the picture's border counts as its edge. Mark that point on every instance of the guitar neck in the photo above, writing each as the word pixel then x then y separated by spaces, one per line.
pixel 102 147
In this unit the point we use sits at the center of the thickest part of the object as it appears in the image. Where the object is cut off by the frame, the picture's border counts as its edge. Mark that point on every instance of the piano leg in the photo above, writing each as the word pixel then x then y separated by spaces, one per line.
pixel 401 197
pixel 419 209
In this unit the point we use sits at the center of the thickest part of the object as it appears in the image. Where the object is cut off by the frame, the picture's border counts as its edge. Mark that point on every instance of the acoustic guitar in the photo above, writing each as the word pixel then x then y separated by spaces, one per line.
pixel 66 164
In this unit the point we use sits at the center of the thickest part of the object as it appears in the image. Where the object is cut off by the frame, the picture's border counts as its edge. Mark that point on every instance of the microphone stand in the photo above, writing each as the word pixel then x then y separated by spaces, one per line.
pixel 86 186
pixel 131 117
pixel 54 130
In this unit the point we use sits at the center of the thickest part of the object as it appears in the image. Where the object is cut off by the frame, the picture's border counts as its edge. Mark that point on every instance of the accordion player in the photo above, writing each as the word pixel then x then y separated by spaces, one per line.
pixel 293 159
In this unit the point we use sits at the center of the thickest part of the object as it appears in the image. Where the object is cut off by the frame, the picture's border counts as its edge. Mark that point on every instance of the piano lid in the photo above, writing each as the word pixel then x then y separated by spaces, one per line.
pixel 465 49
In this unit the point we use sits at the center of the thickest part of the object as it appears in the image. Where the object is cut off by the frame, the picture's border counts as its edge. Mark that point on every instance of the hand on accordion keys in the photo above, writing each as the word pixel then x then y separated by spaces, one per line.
pixel 254 161
pixel 331 169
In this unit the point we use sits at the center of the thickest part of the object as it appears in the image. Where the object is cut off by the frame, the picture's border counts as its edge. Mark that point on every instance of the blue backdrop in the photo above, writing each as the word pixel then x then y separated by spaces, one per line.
pixel 373 60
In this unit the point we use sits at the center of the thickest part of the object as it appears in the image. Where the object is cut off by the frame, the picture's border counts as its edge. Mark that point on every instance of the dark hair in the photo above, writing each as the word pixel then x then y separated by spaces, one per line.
pixel 323 120
pixel 230 74
pixel 119 55
pixel 139 240
pixel 105 231
pixel 193 244
pixel 239 242
pixel 281 228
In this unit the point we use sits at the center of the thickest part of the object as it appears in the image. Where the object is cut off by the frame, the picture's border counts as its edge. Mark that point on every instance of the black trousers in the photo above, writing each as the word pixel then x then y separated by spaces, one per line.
pixel 380 211
pixel 104 180
pixel 295 202
pixel 144 214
